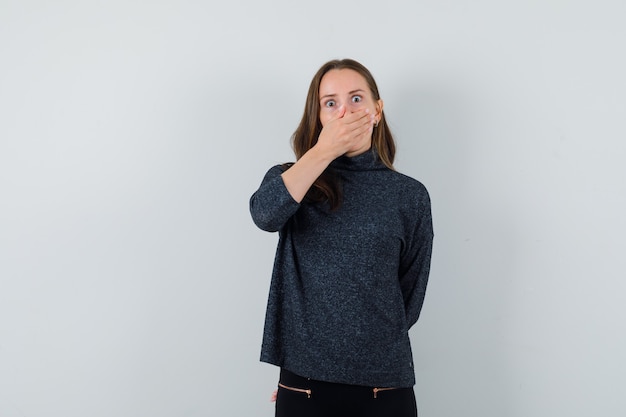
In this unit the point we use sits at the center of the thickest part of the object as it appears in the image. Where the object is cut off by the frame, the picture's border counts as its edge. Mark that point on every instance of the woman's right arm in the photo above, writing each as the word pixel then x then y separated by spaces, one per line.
pixel 300 176
pixel 272 204
pixel 281 192
pixel 346 131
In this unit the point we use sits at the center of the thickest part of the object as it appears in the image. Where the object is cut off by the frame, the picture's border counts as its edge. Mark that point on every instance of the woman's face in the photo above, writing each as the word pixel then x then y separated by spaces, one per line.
pixel 346 88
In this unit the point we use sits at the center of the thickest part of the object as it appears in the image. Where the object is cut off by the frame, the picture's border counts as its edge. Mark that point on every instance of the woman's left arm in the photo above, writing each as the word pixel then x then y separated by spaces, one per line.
pixel 415 260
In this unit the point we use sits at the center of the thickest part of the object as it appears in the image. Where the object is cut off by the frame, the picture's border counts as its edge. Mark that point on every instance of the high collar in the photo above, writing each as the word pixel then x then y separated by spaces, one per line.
pixel 365 161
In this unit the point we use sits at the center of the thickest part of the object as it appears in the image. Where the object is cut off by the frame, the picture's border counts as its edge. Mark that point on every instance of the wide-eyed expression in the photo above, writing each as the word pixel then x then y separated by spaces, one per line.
pixel 346 88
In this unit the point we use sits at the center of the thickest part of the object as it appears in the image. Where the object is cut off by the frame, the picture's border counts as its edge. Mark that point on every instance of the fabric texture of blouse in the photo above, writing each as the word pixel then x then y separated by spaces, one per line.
pixel 347 284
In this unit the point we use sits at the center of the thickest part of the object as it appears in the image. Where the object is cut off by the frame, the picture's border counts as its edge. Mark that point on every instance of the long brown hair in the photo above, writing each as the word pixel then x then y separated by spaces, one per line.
pixel 328 186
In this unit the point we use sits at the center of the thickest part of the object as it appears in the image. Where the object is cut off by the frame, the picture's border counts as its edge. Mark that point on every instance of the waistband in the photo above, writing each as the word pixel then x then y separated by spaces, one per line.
pixel 289 380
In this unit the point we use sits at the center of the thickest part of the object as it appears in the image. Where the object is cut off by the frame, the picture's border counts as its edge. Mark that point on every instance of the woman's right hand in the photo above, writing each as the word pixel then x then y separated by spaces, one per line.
pixel 346 133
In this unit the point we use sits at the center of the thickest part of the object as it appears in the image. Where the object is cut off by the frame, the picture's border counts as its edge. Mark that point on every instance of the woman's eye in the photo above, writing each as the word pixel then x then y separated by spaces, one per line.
pixel 330 103
pixel 357 99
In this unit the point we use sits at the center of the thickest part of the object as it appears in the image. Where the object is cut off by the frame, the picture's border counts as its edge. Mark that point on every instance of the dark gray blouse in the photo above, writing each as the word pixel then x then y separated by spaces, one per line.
pixel 347 284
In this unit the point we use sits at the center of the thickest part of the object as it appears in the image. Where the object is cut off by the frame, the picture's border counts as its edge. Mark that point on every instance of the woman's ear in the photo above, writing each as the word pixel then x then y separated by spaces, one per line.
pixel 379 110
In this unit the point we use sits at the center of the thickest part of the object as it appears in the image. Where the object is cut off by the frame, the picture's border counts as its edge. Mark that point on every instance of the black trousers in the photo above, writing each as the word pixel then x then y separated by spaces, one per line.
pixel 303 397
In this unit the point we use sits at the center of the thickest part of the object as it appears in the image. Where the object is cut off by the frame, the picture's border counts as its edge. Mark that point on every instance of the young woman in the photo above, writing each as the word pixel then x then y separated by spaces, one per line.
pixel 352 263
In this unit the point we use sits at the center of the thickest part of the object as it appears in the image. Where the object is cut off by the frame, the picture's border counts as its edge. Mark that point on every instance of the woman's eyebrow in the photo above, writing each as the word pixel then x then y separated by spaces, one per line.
pixel 358 90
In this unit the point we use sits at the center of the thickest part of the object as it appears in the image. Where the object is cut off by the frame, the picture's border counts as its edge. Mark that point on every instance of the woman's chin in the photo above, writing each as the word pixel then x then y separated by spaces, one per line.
pixel 358 151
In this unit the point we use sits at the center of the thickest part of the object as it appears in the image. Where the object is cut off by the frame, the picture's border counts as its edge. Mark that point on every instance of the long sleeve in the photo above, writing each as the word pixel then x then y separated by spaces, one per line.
pixel 415 262
pixel 272 205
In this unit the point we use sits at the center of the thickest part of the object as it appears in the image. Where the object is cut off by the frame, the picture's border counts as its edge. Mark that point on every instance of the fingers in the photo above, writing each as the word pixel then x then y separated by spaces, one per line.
pixel 357 119
pixel 346 131
pixel 347 123
pixel 359 131
pixel 356 124
pixel 364 128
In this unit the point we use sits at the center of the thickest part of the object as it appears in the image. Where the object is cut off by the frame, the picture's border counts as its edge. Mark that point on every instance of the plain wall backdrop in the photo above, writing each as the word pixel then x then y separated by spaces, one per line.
pixel 133 282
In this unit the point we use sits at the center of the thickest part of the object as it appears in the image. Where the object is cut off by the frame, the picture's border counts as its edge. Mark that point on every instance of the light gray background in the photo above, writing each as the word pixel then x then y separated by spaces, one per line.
pixel 132 133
